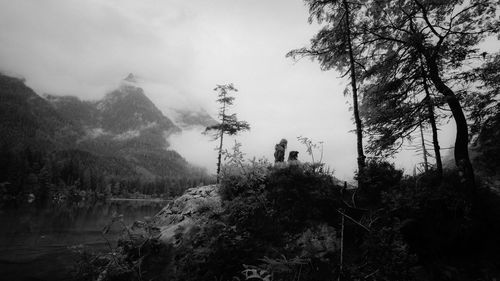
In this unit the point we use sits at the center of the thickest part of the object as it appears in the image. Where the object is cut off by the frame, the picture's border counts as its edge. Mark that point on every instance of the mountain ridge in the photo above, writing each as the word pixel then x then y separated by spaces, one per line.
pixel 124 126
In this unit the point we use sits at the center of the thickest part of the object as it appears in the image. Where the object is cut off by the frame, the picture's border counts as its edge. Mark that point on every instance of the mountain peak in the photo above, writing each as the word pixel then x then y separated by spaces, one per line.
pixel 127 89
pixel 131 78
pixel 128 108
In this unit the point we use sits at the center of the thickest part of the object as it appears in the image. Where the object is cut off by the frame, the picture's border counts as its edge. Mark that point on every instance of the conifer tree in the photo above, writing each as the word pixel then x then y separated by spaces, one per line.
pixel 393 35
pixel 446 35
pixel 335 46
pixel 397 104
pixel 229 123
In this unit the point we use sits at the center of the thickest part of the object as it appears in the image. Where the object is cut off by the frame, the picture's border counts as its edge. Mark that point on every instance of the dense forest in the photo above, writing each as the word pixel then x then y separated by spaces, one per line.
pixel 76 175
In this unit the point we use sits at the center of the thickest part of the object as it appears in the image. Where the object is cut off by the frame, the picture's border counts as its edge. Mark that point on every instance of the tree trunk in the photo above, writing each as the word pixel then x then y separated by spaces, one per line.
pixel 341 261
pixel 219 158
pixel 435 141
pixel 461 152
pixel 220 155
pixel 424 149
pixel 432 121
pixel 357 119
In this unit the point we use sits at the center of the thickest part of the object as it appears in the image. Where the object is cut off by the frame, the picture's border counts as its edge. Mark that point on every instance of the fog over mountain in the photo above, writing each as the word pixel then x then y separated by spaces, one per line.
pixel 178 51
pixel 124 132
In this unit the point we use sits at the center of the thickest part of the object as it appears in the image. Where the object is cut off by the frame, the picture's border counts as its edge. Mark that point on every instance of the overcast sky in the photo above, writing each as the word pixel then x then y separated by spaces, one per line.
pixel 181 49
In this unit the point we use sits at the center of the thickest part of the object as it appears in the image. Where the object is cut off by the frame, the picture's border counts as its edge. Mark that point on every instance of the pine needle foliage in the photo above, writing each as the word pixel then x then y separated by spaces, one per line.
pixel 229 123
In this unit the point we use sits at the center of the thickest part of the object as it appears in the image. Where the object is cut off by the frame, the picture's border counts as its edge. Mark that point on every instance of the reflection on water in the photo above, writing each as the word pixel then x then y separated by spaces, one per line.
pixel 34 241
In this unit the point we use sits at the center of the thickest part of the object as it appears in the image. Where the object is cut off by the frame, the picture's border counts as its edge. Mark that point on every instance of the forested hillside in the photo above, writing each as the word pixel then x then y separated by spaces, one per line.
pixel 116 145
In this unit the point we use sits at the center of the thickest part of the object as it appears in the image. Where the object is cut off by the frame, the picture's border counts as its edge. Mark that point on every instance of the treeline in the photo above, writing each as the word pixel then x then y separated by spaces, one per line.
pixel 29 174
pixel 163 187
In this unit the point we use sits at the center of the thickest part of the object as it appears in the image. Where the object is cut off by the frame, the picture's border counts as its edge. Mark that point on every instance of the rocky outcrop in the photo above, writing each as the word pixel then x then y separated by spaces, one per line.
pixel 197 236
pixel 187 214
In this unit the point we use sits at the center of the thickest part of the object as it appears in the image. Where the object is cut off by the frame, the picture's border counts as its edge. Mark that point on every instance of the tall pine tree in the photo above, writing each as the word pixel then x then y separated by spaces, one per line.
pixel 229 123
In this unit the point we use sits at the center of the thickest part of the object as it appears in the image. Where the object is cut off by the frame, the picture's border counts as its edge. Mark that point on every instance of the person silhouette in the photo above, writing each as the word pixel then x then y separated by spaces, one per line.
pixel 279 151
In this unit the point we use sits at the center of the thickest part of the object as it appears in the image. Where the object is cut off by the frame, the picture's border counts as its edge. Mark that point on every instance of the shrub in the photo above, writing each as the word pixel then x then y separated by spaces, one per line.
pixel 378 176
pixel 385 256
pixel 243 180
pixel 300 194
pixel 448 231
pixel 217 252
pixel 138 256
pixel 254 214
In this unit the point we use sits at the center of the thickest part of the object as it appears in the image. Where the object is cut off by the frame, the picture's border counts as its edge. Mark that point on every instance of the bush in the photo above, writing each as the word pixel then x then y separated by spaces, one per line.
pixel 243 178
pixel 300 194
pixel 385 256
pixel 256 215
pixel 449 233
pixel 378 176
pixel 138 256
pixel 267 200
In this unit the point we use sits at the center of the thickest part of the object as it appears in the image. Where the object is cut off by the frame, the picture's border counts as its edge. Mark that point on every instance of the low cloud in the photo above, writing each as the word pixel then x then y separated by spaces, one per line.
pixel 196 148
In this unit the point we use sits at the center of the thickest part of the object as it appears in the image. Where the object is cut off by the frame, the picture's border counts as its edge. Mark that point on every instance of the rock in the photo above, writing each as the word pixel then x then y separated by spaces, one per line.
pixel 186 214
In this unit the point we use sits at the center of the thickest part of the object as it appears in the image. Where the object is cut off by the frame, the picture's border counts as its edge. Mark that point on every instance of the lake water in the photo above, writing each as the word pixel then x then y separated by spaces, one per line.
pixel 35 242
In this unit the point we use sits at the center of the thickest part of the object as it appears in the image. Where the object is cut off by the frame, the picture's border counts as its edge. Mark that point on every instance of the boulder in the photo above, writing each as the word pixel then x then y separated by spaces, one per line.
pixel 188 213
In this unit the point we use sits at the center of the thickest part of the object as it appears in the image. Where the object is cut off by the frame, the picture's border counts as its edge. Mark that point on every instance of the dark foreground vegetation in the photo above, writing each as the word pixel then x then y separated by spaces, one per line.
pixel 291 221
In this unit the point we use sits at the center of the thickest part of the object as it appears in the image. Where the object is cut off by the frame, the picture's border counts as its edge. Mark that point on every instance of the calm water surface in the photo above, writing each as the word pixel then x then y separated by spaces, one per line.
pixel 35 242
